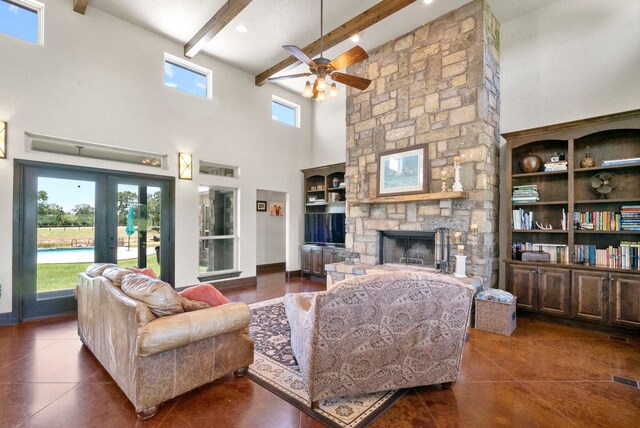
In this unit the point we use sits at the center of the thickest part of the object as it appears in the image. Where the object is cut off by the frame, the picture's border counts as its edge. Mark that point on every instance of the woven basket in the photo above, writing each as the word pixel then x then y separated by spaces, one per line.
pixel 496 317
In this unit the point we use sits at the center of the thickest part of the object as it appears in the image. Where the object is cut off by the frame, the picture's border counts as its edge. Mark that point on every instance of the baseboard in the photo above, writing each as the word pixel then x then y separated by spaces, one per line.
pixel 271 268
pixel 293 274
pixel 7 318
pixel 249 281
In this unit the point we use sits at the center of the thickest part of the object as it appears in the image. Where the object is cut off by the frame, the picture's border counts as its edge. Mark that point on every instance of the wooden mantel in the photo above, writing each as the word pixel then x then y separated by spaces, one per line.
pixel 411 198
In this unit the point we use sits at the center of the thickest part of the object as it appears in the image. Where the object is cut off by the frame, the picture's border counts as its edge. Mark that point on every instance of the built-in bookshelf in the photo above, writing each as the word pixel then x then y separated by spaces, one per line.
pixel 584 211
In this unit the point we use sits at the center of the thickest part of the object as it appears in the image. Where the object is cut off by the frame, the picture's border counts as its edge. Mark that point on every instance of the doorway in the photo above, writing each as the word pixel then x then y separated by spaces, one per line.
pixel 66 218
pixel 271 231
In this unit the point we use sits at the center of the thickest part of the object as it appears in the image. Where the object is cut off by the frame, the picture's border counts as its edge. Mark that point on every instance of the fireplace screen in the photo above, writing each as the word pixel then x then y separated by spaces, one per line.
pixel 408 248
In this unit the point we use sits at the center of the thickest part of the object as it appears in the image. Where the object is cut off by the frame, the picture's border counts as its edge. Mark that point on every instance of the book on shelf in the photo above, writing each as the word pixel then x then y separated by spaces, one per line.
pixel 630 218
pixel 598 220
pixel 522 220
pixel 525 193
pixel 614 162
pixel 558 253
pixel 556 166
pixel 625 256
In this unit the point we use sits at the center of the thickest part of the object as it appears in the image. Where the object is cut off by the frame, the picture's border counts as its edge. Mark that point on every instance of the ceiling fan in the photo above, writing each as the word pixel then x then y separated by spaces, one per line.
pixel 323 68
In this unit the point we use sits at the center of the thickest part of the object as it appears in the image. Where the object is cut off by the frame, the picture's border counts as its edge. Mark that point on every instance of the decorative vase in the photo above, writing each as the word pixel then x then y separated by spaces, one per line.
pixel 588 161
pixel 336 182
pixel 530 163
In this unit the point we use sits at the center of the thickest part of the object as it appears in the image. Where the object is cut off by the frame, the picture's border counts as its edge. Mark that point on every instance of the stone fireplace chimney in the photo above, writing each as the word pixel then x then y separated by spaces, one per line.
pixel 437 86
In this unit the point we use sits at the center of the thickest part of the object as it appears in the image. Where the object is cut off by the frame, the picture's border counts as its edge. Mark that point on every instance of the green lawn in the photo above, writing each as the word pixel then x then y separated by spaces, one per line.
pixel 60 276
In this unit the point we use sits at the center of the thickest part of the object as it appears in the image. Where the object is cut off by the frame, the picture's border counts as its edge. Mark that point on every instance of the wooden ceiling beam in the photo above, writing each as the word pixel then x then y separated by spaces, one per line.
pixel 361 22
pixel 80 6
pixel 227 12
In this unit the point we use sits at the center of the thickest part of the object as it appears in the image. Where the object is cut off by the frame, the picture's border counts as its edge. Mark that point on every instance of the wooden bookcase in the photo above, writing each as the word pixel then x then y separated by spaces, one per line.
pixel 572 290
pixel 321 196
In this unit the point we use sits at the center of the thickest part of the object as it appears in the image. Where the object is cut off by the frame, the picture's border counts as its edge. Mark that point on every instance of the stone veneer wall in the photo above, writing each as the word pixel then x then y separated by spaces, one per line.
pixel 439 86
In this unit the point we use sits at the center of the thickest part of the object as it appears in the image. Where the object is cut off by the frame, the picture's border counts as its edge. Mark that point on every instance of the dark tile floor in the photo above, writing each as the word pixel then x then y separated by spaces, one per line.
pixel 545 375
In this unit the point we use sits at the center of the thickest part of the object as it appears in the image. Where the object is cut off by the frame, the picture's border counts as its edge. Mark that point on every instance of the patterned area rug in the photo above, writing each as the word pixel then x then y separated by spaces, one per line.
pixel 275 368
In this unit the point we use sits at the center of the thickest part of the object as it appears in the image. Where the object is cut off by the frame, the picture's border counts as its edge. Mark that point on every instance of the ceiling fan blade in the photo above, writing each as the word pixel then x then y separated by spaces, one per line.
pixel 297 52
pixel 289 76
pixel 352 56
pixel 350 80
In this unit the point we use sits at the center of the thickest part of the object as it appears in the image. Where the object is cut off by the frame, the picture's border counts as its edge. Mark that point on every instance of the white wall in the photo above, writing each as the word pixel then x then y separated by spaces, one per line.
pixel 100 79
pixel 271 230
pixel 571 60
pixel 329 131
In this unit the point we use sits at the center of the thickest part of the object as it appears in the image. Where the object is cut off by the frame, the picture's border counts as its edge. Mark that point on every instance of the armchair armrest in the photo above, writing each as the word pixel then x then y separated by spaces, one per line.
pixel 170 332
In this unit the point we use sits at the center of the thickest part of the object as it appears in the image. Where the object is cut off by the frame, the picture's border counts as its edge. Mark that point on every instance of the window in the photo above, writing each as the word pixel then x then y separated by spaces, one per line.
pixel 22 19
pixel 218 237
pixel 187 77
pixel 285 111
pixel 218 169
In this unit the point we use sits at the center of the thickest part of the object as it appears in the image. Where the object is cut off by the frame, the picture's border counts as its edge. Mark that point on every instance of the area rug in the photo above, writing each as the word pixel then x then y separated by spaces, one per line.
pixel 275 368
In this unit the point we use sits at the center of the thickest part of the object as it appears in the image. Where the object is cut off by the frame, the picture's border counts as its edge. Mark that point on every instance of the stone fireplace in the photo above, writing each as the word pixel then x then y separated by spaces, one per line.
pixel 435 87
pixel 409 248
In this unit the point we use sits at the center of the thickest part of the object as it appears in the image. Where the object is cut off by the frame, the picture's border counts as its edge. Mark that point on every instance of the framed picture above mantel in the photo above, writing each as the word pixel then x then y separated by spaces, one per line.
pixel 403 172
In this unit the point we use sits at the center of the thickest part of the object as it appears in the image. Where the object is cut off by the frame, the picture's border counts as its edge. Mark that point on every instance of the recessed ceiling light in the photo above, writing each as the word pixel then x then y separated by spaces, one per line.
pixel 427 1
pixel 355 38
pixel 242 28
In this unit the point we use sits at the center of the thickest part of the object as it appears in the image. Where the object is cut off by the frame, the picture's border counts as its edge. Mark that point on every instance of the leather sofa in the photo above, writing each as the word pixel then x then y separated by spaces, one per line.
pixel 379 332
pixel 153 359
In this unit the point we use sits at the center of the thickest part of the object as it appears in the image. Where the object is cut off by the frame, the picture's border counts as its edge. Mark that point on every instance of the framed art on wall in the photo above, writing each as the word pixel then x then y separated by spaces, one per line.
pixel 261 205
pixel 403 171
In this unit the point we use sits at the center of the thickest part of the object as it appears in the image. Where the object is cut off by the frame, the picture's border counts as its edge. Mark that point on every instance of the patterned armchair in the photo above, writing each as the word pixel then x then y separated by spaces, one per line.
pixel 379 332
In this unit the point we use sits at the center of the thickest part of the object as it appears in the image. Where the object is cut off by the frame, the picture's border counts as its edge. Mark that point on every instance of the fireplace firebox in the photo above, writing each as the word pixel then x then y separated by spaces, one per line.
pixel 413 248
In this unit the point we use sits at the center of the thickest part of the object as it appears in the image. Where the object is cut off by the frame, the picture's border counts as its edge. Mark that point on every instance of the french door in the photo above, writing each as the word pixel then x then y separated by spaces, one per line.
pixel 68 218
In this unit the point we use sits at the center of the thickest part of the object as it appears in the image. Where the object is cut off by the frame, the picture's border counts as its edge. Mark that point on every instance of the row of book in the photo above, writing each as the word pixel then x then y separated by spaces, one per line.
pixel 522 220
pixel 556 166
pixel 614 162
pixel 630 218
pixel 598 220
pixel 558 253
pixel 525 193
pixel 625 256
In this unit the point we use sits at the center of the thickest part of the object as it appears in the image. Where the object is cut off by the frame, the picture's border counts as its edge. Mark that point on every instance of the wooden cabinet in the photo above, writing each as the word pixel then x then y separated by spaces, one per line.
pixel 315 257
pixel 587 226
pixel 541 289
pixel 589 296
pixel 624 300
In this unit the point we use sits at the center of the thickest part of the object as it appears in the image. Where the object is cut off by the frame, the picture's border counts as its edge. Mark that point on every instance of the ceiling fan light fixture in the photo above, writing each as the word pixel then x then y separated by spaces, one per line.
pixel 321 84
pixel 320 96
pixel 308 92
pixel 333 92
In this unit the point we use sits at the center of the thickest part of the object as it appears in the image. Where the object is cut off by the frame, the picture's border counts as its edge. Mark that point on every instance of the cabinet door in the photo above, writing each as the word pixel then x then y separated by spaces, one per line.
pixel 317 267
pixel 624 298
pixel 522 282
pixel 327 257
pixel 306 260
pixel 589 295
pixel 554 290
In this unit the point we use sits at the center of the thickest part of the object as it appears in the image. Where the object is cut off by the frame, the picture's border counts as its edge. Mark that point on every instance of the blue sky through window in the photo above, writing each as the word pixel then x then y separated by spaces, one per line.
pixel 283 113
pixel 18 21
pixel 185 80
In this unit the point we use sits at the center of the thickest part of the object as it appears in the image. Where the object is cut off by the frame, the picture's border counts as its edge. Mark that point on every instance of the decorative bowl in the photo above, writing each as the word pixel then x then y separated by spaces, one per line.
pixel 530 163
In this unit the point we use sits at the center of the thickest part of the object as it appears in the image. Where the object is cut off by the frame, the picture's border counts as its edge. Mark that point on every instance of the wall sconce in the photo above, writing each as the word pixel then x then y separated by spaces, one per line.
pixel 185 166
pixel 3 140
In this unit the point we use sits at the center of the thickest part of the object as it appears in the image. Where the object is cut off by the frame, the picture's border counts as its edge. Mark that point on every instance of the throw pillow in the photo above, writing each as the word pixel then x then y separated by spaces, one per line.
pixel 192 305
pixel 97 269
pixel 205 293
pixel 145 271
pixel 116 274
pixel 158 295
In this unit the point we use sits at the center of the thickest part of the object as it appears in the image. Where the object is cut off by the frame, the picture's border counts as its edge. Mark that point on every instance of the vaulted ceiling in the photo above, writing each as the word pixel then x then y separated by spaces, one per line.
pixel 273 23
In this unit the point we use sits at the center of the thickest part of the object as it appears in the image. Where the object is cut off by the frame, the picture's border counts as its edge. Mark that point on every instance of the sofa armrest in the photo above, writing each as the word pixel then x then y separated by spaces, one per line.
pixel 170 332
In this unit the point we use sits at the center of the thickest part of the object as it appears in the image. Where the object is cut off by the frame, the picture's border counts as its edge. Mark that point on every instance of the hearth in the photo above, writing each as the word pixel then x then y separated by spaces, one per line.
pixel 412 248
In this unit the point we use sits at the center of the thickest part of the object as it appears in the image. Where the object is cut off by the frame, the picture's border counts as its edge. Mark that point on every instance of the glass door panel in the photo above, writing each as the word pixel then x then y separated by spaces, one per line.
pixel 65 233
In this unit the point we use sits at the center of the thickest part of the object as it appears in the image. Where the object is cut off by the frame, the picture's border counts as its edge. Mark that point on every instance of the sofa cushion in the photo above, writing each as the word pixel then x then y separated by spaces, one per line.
pixel 97 269
pixel 158 295
pixel 145 271
pixel 205 293
pixel 192 305
pixel 116 274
